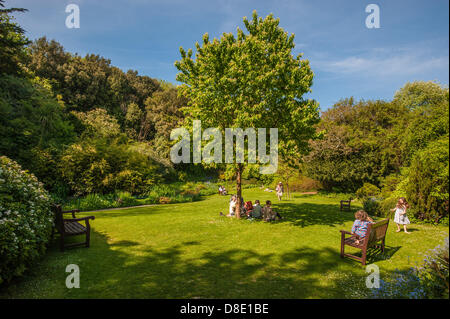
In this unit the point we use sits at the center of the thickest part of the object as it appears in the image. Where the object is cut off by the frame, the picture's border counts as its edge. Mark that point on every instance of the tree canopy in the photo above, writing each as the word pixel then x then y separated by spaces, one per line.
pixel 251 80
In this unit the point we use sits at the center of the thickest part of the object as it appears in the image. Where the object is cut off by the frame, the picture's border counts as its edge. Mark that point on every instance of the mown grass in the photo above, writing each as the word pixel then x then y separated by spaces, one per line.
pixel 189 251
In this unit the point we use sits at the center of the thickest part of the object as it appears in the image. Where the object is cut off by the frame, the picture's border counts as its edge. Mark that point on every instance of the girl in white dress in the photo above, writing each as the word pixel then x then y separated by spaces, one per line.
pixel 400 217
pixel 279 190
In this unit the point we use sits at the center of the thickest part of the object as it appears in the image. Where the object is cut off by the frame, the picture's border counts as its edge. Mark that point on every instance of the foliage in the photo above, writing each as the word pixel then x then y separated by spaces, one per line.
pixel 33 126
pixel 359 145
pixel 156 194
pixel 372 206
pixel 104 166
pixel 389 184
pixel 26 219
pixel 99 123
pixel 251 81
pixel 163 113
pixel 427 189
pixel 90 82
pixel 428 105
pixel 97 201
pixel 367 191
pixel 12 42
pixel 400 146
pixel 428 281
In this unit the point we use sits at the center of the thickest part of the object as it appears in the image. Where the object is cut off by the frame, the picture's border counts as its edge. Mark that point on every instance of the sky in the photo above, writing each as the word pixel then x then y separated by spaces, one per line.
pixel 347 58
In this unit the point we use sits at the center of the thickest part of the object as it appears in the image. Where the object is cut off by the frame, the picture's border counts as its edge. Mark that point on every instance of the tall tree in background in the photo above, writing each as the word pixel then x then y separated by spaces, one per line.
pixel 12 41
pixel 251 81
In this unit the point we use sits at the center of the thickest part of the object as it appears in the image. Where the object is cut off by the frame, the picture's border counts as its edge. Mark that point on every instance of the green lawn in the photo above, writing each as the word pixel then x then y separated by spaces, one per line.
pixel 189 251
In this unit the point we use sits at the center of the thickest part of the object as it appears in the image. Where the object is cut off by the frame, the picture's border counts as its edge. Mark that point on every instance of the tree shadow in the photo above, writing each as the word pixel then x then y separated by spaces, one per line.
pixel 307 214
pixel 126 269
pixel 129 269
pixel 375 254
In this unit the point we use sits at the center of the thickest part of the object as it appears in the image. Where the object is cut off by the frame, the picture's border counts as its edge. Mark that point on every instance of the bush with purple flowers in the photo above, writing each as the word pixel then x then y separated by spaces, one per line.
pixel 428 281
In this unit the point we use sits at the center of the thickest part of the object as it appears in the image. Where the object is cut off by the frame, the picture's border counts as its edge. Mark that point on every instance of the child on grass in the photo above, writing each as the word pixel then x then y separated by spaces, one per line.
pixel 360 225
pixel 400 217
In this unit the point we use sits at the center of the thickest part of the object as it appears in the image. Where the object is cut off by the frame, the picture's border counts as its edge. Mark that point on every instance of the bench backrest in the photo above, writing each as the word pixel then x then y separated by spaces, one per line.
pixel 59 222
pixel 376 231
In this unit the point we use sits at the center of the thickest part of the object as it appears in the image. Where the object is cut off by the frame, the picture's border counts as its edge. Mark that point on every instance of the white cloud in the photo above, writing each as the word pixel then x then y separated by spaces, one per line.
pixel 385 63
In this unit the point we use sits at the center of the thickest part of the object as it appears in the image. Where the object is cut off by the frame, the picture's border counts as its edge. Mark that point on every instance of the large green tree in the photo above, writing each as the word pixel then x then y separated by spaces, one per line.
pixel 12 41
pixel 251 81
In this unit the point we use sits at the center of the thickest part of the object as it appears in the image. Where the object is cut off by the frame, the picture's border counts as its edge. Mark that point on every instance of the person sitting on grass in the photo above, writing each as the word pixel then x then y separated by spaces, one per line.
pixel 248 208
pixel 257 210
pixel 359 228
pixel 269 214
pixel 232 208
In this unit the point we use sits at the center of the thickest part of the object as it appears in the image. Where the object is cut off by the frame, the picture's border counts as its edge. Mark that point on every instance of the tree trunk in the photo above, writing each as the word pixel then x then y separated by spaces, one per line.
pixel 288 192
pixel 238 190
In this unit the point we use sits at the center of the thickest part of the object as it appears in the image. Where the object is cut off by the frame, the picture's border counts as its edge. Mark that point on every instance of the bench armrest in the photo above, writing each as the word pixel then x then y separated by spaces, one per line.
pixel 73 211
pixel 79 219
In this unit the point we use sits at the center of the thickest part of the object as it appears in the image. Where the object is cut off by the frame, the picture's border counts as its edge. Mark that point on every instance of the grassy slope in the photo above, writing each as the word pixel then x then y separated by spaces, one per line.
pixel 189 251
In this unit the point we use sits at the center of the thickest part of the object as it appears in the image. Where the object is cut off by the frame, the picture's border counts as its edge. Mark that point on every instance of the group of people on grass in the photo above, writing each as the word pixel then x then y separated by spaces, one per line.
pixel 250 211
pixel 362 220
pixel 359 228
pixel 256 211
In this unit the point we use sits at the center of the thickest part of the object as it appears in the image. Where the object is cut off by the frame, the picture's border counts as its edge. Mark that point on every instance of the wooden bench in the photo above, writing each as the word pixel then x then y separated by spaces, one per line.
pixel 375 238
pixel 345 204
pixel 71 227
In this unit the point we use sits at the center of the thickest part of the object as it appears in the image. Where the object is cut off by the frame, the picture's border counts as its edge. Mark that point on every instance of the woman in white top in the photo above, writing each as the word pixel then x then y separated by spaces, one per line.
pixel 400 217
pixel 232 206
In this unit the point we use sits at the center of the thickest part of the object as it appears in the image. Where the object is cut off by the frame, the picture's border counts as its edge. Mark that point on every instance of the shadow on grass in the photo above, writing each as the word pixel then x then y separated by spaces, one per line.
pixel 374 254
pixel 307 214
pixel 128 269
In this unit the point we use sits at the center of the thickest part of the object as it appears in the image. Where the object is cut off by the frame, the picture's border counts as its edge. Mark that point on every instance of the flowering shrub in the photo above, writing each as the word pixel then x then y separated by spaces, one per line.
pixel 26 219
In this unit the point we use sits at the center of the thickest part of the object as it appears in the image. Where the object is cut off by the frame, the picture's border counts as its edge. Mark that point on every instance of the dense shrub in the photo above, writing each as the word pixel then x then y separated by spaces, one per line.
pixel 105 166
pixel 26 219
pixel 427 187
pixel 373 206
pixel 99 201
pixel 367 191
pixel 304 184
pixel 386 205
pixel 158 194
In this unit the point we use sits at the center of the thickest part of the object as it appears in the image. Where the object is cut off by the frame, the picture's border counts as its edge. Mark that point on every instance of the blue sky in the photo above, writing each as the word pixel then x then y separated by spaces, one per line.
pixel 347 58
